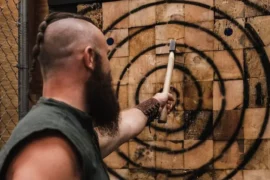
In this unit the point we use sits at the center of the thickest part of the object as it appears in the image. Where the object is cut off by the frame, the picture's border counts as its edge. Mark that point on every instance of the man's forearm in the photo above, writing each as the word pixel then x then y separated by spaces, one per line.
pixel 135 119
pixel 131 123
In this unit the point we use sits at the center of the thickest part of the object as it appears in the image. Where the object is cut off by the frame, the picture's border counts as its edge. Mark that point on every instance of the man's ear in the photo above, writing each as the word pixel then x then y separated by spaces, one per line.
pixel 88 57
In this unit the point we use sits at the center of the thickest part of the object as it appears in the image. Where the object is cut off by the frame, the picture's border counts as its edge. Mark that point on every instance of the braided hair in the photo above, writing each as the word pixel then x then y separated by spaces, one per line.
pixel 53 17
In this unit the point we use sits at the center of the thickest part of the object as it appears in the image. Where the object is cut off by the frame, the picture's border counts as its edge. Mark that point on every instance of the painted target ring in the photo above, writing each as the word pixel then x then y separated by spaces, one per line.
pixel 254 38
pixel 209 60
pixel 205 134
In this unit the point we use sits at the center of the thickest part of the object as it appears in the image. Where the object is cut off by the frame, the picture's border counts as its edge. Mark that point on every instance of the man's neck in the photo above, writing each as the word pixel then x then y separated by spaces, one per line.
pixel 65 92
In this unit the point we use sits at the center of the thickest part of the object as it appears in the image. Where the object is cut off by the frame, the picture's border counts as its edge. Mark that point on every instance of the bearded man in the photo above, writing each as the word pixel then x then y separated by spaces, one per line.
pixel 77 121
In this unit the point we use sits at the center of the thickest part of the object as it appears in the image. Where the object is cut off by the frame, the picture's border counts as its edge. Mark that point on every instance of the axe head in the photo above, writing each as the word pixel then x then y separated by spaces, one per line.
pixel 172 45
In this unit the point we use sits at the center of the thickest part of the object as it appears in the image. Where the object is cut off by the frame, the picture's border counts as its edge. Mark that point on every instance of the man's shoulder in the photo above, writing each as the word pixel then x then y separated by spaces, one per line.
pixel 40 118
pixel 42 115
pixel 55 150
pixel 41 111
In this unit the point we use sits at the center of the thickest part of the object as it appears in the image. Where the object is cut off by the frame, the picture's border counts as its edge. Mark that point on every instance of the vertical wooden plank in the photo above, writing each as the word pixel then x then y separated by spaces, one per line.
pixel 138 19
pixel 110 14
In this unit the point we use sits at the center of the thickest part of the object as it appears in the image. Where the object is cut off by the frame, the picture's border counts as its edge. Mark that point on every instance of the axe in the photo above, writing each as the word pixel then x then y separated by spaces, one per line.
pixel 168 77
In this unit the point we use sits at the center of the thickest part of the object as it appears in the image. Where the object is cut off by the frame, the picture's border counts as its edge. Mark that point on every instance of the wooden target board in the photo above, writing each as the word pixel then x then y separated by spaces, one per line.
pixel 219 125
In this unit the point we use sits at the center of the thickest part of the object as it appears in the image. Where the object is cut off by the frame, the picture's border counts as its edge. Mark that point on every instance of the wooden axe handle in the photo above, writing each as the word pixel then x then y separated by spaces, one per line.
pixel 166 88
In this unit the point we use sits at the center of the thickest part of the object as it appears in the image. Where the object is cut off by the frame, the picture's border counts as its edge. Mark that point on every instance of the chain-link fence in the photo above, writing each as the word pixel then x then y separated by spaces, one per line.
pixel 9 13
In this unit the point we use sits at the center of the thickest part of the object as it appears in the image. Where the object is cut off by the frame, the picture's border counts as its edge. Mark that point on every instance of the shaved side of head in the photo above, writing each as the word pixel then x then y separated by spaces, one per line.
pixel 61 37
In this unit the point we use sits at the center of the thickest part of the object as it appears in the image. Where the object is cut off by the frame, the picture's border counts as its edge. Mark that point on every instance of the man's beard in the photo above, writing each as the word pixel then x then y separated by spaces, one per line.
pixel 101 101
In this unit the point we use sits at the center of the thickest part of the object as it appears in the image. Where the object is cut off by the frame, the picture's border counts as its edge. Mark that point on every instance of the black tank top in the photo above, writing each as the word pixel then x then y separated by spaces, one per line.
pixel 75 125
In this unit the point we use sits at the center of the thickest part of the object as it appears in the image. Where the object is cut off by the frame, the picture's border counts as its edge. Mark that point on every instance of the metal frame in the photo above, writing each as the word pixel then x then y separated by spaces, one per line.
pixel 23 83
